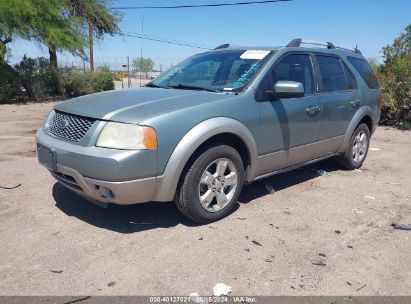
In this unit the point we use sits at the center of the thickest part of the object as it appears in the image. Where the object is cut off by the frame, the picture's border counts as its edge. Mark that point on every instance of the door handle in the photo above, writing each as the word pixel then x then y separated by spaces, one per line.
pixel 313 109
pixel 355 103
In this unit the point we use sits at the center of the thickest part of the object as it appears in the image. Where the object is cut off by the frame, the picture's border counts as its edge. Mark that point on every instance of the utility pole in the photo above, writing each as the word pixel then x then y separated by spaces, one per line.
pixel 122 84
pixel 90 34
pixel 141 49
pixel 128 73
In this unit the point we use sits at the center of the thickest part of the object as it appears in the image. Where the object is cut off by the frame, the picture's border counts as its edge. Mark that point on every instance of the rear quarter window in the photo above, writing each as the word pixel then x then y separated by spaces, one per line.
pixel 364 69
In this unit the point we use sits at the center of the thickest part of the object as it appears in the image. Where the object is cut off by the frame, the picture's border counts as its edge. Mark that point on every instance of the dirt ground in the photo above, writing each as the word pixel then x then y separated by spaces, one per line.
pixel 315 235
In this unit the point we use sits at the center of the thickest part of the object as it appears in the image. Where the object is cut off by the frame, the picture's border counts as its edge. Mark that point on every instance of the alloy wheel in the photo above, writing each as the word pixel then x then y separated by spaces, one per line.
pixel 360 146
pixel 218 185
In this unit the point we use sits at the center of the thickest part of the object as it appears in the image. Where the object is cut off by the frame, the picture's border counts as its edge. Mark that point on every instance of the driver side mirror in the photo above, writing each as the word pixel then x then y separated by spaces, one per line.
pixel 284 89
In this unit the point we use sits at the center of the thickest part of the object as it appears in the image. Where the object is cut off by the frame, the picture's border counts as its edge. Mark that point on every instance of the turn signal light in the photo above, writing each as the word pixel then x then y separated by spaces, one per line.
pixel 149 138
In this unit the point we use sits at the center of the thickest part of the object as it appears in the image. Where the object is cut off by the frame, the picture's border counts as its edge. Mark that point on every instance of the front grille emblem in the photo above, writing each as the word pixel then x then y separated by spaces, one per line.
pixel 62 124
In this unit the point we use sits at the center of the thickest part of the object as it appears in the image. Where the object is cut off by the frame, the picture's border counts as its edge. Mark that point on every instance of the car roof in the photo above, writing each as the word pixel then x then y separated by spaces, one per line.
pixel 295 45
pixel 240 47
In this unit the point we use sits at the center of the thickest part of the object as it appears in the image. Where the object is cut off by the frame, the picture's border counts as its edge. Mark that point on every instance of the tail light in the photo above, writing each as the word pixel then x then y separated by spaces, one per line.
pixel 380 102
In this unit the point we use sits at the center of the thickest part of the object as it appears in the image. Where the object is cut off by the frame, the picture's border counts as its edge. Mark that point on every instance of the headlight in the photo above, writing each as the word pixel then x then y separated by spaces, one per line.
pixel 49 119
pixel 127 137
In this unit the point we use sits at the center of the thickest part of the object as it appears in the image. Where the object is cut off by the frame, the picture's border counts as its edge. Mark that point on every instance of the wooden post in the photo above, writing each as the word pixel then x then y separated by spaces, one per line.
pixel 90 34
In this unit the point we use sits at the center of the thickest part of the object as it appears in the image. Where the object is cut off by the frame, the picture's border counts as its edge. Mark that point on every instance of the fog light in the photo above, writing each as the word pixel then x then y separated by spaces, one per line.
pixel 106 192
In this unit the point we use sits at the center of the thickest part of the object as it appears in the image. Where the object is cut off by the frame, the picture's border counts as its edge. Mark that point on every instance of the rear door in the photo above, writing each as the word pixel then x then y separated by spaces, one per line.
pixel 339 98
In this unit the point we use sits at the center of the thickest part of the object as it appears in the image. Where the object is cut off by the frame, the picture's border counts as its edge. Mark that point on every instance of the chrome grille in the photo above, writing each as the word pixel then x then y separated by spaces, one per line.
pixel 68 126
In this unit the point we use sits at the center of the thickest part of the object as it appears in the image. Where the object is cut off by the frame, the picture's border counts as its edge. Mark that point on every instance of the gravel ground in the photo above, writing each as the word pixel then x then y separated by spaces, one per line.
pixel 313 235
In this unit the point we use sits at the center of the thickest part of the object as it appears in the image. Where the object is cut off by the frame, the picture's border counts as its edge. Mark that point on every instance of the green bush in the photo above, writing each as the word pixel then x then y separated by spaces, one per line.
pixel 78 83
pixel 395 79
pixel 103 80
pixel 42 80
pixel 39 75
pixel 9 85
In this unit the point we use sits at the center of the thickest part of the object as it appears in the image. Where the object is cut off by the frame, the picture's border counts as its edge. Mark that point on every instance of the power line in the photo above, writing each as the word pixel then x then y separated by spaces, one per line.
pixel 248 25
pixel 292 31
pixel 200 5
pixel 165 40
pixel 168 39
pixel 146 37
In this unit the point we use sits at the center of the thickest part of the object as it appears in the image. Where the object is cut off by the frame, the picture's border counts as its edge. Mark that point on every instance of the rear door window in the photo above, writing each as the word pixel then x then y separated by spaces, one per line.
pixel 364 69
pixel 334 77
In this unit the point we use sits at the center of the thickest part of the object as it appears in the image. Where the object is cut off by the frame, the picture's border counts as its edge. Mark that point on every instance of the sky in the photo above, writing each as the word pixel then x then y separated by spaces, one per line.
pixel 370 24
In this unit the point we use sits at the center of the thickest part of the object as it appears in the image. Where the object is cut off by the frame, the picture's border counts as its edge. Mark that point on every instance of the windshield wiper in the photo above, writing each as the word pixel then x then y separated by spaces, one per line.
pixel 152 85
pixel 191 87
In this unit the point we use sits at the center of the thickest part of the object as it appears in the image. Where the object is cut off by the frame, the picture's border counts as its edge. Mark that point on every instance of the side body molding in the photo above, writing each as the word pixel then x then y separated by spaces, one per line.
pixel 167 183
pixel 360 114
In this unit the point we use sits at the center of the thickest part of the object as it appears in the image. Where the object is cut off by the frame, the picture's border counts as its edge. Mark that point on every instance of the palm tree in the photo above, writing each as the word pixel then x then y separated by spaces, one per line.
pixel 93 16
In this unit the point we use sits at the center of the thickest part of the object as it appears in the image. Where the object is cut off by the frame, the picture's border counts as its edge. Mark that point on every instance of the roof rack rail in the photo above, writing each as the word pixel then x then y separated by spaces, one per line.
pixel 223 46
pixel 297 43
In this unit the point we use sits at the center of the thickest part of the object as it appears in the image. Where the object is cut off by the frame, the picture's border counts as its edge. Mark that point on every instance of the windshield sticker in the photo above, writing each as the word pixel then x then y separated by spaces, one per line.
pixel 244 78
pixel 254 54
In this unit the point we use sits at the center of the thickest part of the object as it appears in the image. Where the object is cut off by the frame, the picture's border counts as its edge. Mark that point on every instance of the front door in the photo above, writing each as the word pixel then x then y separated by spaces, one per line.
pixel 292 125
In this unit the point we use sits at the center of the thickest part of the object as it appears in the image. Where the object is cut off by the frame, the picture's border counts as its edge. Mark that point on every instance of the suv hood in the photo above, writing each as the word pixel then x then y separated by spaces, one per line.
pixel 135 105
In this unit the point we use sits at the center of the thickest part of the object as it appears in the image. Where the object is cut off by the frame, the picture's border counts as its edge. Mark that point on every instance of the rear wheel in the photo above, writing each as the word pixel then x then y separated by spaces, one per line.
pixel 357 149
pixel 211 185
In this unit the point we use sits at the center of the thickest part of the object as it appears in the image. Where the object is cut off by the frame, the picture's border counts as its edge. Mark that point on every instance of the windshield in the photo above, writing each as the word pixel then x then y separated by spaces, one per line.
pixel 221 71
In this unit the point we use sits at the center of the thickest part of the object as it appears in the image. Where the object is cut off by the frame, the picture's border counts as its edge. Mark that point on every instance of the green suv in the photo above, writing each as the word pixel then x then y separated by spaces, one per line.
pixel 217 120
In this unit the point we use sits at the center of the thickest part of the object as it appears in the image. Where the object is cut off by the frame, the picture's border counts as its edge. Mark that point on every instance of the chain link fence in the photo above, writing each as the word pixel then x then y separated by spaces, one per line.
pixel 120 67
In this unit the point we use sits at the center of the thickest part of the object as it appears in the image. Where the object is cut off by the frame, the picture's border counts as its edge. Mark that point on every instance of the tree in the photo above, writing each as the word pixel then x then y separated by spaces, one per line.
pixel 395 77
pixel 96 17
pixel 42 21
pixel 143 65
pixel 37 73
pixel 374 64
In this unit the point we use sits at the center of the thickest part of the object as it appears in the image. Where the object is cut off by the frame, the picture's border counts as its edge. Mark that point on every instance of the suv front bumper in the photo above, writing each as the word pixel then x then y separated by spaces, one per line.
pixel 82 170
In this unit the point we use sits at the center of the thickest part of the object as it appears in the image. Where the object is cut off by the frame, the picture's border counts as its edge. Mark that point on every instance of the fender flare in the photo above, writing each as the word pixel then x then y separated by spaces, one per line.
pixel 358 116
pixel 167 183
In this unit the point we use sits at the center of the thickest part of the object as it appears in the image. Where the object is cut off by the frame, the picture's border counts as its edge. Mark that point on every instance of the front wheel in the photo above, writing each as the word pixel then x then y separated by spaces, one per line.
pixel 211 185
pixel 357 149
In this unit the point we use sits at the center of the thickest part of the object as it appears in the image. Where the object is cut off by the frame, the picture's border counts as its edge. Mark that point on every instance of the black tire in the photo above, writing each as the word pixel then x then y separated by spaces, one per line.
pixel 347 160
pixel 187 196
